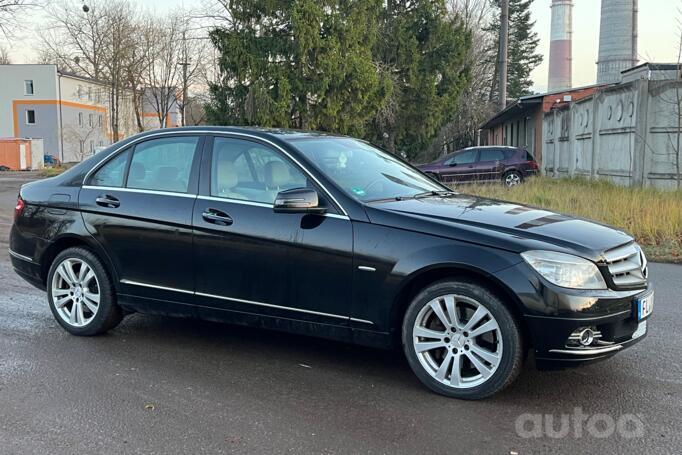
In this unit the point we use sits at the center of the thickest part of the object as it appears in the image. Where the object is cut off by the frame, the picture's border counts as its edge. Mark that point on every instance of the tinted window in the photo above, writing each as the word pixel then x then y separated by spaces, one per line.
pixel 163 164
pixel 467 157
pixel 252 172
pixel 363 171
pixel 112 173
pixel 491 155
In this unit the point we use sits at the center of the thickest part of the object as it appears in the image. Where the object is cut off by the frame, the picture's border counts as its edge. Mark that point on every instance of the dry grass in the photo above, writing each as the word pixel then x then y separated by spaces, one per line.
pixel 52 171
pixel 652 216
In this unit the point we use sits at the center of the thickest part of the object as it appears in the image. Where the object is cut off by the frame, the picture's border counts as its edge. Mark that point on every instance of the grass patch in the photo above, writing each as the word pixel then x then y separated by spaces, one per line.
pixel 653 217
pixel 52 171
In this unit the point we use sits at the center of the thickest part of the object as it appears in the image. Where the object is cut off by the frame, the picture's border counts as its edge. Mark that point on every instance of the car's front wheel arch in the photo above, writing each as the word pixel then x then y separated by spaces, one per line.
pixel 420 280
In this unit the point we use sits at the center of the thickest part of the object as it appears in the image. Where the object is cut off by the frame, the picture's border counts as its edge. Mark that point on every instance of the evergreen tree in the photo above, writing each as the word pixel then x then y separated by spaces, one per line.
pixel 423 50
pixel 522 54
pixel 298 63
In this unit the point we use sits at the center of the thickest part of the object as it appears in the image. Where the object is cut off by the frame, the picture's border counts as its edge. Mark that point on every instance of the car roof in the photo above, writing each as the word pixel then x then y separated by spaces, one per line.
pixel 281 133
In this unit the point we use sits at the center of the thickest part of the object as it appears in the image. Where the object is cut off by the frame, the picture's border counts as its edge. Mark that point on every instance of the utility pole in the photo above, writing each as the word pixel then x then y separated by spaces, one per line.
pixel 185 64
pixel 502 55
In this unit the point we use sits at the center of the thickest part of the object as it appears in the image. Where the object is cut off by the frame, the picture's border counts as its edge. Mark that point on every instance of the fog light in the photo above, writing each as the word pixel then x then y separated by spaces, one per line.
pixel 586 337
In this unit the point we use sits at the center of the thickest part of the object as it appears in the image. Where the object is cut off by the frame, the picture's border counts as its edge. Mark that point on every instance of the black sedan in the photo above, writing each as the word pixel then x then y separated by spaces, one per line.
pixel 332 237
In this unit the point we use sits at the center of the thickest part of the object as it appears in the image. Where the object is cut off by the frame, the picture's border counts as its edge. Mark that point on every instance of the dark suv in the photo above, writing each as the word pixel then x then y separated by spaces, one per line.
pixel 332 237
pixel 483 164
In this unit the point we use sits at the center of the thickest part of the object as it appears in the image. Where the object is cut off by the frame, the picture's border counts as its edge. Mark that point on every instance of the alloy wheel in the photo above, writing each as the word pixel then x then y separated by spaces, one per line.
pixel 457 341
pixel 75 292
pixel 512 179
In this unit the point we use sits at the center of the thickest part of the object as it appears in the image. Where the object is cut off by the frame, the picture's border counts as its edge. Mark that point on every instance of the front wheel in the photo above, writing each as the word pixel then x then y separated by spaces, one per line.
pixel 80 293
pixel 461 340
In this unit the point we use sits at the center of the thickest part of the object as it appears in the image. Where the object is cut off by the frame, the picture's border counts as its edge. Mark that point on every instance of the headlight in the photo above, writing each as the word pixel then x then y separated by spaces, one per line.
pixel 565 270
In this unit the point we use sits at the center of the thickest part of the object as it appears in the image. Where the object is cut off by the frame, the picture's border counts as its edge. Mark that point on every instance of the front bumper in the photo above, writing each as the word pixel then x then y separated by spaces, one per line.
pixel 552 314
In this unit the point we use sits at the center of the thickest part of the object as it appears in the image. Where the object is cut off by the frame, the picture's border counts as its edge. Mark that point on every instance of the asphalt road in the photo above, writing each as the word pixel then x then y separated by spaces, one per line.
pixel 161 385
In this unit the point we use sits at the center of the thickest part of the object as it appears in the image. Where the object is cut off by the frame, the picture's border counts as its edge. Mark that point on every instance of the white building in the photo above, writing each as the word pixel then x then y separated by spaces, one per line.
pixel 72 114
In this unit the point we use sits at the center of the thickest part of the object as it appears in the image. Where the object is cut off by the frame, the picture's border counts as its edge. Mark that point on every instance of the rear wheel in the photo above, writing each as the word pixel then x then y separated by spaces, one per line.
pixel 461 341
pixel 512 178
pixel 80 293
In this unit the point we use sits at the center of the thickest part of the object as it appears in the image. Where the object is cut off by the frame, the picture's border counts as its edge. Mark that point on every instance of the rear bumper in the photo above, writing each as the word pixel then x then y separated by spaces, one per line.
pixel 27 268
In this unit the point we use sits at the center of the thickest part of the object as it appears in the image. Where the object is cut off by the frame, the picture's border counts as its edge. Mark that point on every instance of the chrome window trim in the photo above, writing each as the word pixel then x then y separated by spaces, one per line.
pixel 215 133
pixel 250 302
pixel 20 256
pixel 138 190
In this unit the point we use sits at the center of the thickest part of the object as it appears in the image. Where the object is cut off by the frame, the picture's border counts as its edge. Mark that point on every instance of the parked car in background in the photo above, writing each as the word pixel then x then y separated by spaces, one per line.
pixel 510 165
pixel 332 237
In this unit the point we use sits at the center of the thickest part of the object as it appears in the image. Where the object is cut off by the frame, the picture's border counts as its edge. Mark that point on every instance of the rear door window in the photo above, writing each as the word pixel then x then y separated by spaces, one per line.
pixel 163 164
pixel 491 155
pixel 112 173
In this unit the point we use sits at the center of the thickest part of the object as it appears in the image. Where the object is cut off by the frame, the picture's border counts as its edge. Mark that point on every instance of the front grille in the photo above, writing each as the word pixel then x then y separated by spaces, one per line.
pixel 627 266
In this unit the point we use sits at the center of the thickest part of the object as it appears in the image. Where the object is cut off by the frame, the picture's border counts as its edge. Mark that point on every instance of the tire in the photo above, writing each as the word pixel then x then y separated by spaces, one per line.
pixel 87 289
pixel 499 352
pixel 512 178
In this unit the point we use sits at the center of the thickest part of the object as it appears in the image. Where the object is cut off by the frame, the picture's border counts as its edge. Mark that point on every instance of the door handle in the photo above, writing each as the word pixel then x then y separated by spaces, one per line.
pixel 106 200
pixel 217 217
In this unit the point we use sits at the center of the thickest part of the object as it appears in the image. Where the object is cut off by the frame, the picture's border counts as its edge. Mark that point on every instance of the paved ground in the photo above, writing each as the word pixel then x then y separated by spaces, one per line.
pixel 161 385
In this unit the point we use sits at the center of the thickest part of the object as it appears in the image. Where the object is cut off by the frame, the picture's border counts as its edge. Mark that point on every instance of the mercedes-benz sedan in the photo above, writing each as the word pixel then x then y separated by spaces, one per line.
pixel 332 237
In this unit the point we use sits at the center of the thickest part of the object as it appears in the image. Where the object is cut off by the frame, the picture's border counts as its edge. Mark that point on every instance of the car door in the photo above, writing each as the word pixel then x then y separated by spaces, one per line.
pixel 138 206
pixel 250 259
pixel 460 167
pixel 490 164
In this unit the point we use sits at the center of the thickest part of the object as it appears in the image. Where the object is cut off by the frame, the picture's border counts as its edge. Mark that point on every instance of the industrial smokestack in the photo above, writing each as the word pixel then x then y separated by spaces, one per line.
pixel 617 39
pixel 561 46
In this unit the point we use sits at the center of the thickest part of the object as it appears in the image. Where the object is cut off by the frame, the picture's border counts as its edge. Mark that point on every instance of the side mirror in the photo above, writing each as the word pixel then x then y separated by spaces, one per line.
pixel 298 200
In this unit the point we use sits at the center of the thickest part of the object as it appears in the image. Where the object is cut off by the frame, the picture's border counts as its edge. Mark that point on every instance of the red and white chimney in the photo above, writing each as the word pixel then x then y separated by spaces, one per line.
pixel 561 46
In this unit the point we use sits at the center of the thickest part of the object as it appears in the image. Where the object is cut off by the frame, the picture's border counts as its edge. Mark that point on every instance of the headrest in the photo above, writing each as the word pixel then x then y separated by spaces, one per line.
pixel 276 174
pixel 226 177
pixel 137 171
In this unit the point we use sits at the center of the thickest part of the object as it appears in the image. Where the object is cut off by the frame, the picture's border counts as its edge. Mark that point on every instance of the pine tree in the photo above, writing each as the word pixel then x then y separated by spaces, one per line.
pixel 523 43
pixel 423 50
pixel 298 63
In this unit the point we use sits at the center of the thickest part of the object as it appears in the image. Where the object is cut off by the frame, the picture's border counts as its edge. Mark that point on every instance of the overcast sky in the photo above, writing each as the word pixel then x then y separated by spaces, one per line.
pixel 658 34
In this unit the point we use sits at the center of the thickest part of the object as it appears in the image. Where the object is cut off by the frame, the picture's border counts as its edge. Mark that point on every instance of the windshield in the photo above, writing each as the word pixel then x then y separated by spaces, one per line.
pixel 363 171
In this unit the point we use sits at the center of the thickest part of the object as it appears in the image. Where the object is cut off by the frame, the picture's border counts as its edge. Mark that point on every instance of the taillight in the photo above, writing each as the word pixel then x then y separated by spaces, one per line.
pixel 533 165
pixel 19 207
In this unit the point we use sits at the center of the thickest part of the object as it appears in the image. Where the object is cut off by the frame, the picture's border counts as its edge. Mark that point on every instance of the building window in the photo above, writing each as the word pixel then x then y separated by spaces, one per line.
pixel 91 121
pixel 99 120
pixel 81 146
pixel 80 92
pixel 80 119
pixel 92 146
pixel 28 87
pixel 30 117
pixel 89 93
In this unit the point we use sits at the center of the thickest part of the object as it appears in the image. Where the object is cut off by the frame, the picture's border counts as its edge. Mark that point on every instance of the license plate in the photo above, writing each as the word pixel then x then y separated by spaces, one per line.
pixel 644 306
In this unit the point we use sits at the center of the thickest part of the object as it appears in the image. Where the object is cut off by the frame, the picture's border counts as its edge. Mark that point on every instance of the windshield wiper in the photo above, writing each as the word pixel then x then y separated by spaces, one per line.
pixel 434 193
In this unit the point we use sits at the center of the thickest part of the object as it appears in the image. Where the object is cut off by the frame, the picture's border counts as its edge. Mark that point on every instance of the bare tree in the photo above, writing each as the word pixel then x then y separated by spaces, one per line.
pixel 475 104
pixel 99 43
pixel 10 14
pixel 4 56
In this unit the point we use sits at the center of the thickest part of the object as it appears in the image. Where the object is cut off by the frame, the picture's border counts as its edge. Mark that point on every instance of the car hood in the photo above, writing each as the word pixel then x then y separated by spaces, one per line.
pixel 498 223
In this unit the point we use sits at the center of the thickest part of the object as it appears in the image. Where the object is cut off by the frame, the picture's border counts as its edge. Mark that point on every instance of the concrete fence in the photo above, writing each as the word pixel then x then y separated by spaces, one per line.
pixel 627 133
